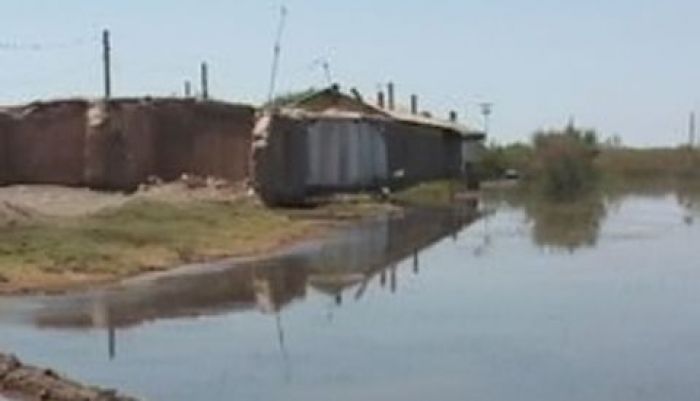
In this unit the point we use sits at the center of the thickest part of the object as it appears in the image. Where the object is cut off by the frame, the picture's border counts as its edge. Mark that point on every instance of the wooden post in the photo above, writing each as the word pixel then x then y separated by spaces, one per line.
pixel 205 81
pixel 106 49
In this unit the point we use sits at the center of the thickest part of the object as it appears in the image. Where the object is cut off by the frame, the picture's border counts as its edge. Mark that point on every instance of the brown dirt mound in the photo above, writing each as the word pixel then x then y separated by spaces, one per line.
pixel 24 203
pixel 30 383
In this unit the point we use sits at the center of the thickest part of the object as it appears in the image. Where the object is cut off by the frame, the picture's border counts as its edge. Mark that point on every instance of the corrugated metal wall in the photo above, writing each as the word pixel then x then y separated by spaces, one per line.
pixel 471 151
pixel 345 154
pixel 298 157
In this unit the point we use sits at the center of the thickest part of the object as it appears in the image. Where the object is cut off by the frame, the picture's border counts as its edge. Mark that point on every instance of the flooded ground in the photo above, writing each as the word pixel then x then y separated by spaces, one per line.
pixel 530 301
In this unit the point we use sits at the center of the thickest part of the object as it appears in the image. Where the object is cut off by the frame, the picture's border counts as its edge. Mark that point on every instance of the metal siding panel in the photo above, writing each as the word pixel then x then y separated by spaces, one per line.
pixel 346 154
pixel 380 167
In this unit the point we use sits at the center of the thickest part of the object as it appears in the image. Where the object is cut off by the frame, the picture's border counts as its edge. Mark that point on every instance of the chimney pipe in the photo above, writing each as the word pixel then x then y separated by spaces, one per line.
pixel 380 100
pixel 356 94
pixel 390 94
pixel 414 104
pixel 453 116
pixel 188 89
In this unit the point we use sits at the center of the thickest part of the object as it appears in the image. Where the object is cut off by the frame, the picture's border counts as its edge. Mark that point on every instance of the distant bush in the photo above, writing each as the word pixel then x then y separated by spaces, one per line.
pixel 498 159
pixel 564 161
pixel 682 162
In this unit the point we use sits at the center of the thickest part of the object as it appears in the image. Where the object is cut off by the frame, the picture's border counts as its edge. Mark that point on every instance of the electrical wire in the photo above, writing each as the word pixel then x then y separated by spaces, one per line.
pixel 18 46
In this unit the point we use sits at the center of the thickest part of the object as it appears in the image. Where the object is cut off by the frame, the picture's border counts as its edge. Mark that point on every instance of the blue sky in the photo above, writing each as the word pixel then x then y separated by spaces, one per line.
pixel 625 67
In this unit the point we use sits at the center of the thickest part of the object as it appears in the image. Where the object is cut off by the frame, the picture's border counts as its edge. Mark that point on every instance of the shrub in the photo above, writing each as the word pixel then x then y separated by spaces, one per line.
pixel 564 161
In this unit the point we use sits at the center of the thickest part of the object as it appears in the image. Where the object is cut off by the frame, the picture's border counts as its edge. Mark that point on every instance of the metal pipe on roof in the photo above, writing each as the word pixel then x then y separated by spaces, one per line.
pixel 414 104
pixel 453 116
pixel 380 99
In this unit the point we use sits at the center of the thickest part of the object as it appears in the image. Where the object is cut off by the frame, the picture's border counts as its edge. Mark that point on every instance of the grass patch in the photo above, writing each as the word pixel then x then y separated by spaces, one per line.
pixel 629 163
pixel 433 193
pixel 141 236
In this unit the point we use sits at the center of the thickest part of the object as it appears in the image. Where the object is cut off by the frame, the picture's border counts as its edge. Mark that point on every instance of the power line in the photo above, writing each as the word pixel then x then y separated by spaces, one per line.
pixel 19 46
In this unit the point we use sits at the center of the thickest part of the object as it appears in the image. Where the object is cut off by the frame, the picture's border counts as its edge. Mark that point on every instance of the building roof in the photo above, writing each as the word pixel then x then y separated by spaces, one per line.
pixel 333 99
pixel 332 102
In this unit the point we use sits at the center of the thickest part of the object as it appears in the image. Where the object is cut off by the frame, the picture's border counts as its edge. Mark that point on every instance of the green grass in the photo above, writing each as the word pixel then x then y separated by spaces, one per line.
pixel 433 193
pixel 140 236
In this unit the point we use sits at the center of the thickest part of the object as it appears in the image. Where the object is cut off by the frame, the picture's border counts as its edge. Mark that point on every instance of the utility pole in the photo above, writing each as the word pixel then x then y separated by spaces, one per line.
pixel 691 130
pixel 106 50
pixel 205 81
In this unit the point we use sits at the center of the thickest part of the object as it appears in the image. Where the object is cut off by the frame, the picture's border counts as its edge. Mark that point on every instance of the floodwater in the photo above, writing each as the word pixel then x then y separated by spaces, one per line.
pixel 521 301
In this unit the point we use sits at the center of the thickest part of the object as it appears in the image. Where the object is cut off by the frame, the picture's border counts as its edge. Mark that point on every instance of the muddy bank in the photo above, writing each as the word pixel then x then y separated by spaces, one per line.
pixel 57 239
pixel 54 239
pixel 24 382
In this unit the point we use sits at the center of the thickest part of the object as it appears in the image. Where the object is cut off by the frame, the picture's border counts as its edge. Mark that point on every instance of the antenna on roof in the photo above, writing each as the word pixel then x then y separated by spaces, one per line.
pixel 327 71
pixel 326 67
pixel 276 53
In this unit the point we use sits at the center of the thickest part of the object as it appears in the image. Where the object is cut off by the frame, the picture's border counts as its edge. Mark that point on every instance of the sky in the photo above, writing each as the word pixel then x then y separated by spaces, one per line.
pixel 624 67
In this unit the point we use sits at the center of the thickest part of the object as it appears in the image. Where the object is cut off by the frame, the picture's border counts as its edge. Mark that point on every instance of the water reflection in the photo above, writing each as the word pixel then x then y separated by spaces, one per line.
pixel 568 226
pixel 576 225
pixel 560 225
pixel 342 267
pixel 491 314
pixel 689 197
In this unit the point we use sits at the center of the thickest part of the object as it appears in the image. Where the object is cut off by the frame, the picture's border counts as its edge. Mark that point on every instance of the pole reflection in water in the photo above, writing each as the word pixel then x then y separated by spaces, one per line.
pixel 609 312
pixel 348 261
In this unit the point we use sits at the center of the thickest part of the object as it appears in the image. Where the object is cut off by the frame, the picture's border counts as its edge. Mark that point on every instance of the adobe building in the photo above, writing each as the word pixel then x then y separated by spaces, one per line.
pixel 120 143
pixel 325 143
pixel 332 142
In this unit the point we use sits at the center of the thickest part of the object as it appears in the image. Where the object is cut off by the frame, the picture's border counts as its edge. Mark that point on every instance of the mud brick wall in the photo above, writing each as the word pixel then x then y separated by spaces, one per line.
pixel 119 144
pixel 45 143
pixel 208 139
pixel 5 130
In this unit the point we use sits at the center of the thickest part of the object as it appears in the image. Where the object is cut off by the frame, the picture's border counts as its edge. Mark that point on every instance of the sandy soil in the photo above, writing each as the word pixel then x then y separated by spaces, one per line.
pixel 22 203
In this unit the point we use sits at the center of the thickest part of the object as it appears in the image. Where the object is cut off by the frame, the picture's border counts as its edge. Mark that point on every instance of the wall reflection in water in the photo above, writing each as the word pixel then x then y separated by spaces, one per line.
pixel 342 266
